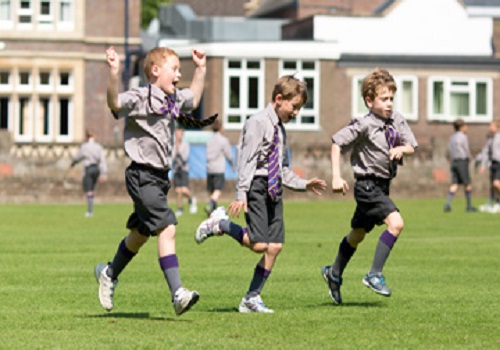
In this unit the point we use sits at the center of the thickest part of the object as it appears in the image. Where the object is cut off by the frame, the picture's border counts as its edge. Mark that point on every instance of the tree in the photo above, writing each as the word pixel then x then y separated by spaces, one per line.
pixel 149 10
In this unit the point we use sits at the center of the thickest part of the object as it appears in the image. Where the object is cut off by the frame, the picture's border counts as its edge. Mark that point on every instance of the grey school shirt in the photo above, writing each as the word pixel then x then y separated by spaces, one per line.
pixel 91 153
pixel 365 138
pixel 491 151
pixel 218 150
pixel 255 140
pixel 458 147
pixel 181 158
pixel 148 136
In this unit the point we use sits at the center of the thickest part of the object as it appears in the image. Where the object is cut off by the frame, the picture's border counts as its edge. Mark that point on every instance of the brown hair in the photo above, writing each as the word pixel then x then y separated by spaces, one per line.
pixel 458 124
pixel 288 86
pixel 156 57
pixel 377 79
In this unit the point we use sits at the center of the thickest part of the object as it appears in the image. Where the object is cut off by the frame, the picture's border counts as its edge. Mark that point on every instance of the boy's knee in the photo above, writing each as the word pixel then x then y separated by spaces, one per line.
pixel 274 248
pixel 260 247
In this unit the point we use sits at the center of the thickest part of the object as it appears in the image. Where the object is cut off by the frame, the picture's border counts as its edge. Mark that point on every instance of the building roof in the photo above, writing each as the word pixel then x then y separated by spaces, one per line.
pixel 270 6
pixel 482 3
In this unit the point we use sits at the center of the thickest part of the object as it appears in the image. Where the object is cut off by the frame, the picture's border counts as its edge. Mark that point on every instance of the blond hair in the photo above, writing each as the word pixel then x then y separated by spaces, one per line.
pixel 377 79
pixel 157 57
pixel 288 86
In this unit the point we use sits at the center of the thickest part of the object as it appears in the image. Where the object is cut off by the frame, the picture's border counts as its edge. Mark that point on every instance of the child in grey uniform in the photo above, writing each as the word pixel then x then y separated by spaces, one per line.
pixel 150 114
pixel 378 142
pixel 492 157
pixel 94 161
pixel 262 170
pixel 458 150
pixel 218 152
pixel 181 174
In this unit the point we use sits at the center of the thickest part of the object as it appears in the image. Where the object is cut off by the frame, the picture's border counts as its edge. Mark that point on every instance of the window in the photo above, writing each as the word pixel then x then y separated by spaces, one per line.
pixel 243 90
pixel 308 72
pixel 66 11
pixel 5 10
pixel 451 98
pixel 24 12
pixel 405 99
pixel 45 15
pixel 4 112
pixel 24 121
pixel 64 113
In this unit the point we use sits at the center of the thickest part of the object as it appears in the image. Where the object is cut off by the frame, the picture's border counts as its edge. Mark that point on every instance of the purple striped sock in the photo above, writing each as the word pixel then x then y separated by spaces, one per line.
pixel 168 262
pixel 388 238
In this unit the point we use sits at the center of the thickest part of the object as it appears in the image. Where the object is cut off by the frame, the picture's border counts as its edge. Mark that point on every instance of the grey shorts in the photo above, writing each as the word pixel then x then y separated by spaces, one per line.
pixel 215 182
pixel 373 204
pixel 264 217
pixel 460 172
pixel 495 171
pixel 90 177
pixel 148 188
pixel 181 179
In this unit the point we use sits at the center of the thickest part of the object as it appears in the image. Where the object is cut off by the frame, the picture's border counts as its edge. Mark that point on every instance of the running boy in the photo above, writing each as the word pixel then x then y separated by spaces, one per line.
pixel 458 150
pixel 181 174
pixel 378 142
pixel 262 170
pixel 150 113
pixel 218 151
pixel 94 161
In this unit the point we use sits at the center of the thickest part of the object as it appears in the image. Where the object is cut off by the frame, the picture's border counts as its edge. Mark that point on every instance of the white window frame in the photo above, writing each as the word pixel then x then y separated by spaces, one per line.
pixel 69 24
pixel 65 88
pixel 9 86
pixel 25 12
pixel 449 88
pixel 38 135
pixel 45 87
pixel 28 122
pixel 24 87
pixel 302 74
pixel 9 111
pixel 399 79
pixel 243 73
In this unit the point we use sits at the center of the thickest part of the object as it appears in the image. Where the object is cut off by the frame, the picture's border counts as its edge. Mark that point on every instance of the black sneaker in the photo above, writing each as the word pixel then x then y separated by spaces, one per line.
pixel 334 284
pixel 447 208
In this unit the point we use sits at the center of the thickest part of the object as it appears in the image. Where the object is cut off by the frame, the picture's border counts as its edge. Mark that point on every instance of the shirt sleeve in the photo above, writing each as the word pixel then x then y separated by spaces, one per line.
pixel 347 136
pixel 132 104
pixel 185 100
pixel 407 136
pixel 252 136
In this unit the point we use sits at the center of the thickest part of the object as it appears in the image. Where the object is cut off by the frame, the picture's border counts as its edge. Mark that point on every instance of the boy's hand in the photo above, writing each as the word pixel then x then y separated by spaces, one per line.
pixel 113 60
pixel 316 185
pixel 396 153
pixel 199 58
pixel 234 209
pixel 339 185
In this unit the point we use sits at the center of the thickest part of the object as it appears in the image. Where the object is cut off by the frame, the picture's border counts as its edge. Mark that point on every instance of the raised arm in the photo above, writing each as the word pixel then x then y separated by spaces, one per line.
pixel 114 68
pixel 198 82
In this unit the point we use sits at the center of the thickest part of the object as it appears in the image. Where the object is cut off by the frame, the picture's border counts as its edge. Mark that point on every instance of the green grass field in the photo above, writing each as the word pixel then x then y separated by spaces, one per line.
pixel 443 274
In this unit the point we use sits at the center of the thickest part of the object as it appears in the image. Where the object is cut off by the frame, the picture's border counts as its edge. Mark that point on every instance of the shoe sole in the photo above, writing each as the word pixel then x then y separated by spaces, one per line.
pixel 366 283
pixel 191 303
pixel 325 277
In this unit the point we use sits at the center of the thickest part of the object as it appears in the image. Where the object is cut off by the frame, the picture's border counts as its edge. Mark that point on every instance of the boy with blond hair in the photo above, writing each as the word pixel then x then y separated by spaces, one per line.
pixel 378 142
pixel 150 114
pixel 263 169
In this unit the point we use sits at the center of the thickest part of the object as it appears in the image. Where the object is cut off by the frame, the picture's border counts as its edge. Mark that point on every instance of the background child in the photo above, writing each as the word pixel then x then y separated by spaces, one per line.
pixel 459 152
pixel 94 161
pixel 378 142
pixel 218 151
pixel 491 156
pixel 150 114
pixel 181 174
pixel 262 170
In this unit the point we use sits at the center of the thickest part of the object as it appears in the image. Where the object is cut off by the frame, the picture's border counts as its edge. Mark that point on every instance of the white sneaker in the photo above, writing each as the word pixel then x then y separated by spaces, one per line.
pixel 495 208
pixel 210 227
pixel 184 299
pixel 193 208
pixel 88 215
pixel 106 286
pixel 179 213
pixel 254 304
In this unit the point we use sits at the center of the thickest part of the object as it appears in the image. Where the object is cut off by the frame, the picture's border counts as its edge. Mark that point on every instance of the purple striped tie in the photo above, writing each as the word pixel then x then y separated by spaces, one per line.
pixel 171 106
pixel 273 166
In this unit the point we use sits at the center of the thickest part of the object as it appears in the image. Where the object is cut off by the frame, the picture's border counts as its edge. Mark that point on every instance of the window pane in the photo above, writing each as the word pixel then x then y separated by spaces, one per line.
pixel 253 64
pixel 253 92
pixel 310 93
pixel 361 104
pixel 234 92
pixel 481 99
pixel 234 64
pixel 24 78
pixel 459 104
pixel 64 78
pixel 44 78
pixel 407 97
pixel 23 115
pixel 234 118
pixel 290 65
pixel 45 8
pixel 4 112
pixel 65 12
pixel 63 116
pixel 25 19
pixel 307 119
pixel 438 97
pixel 5 10
pixel 44 115
pixel 308 65
pixel 4 78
